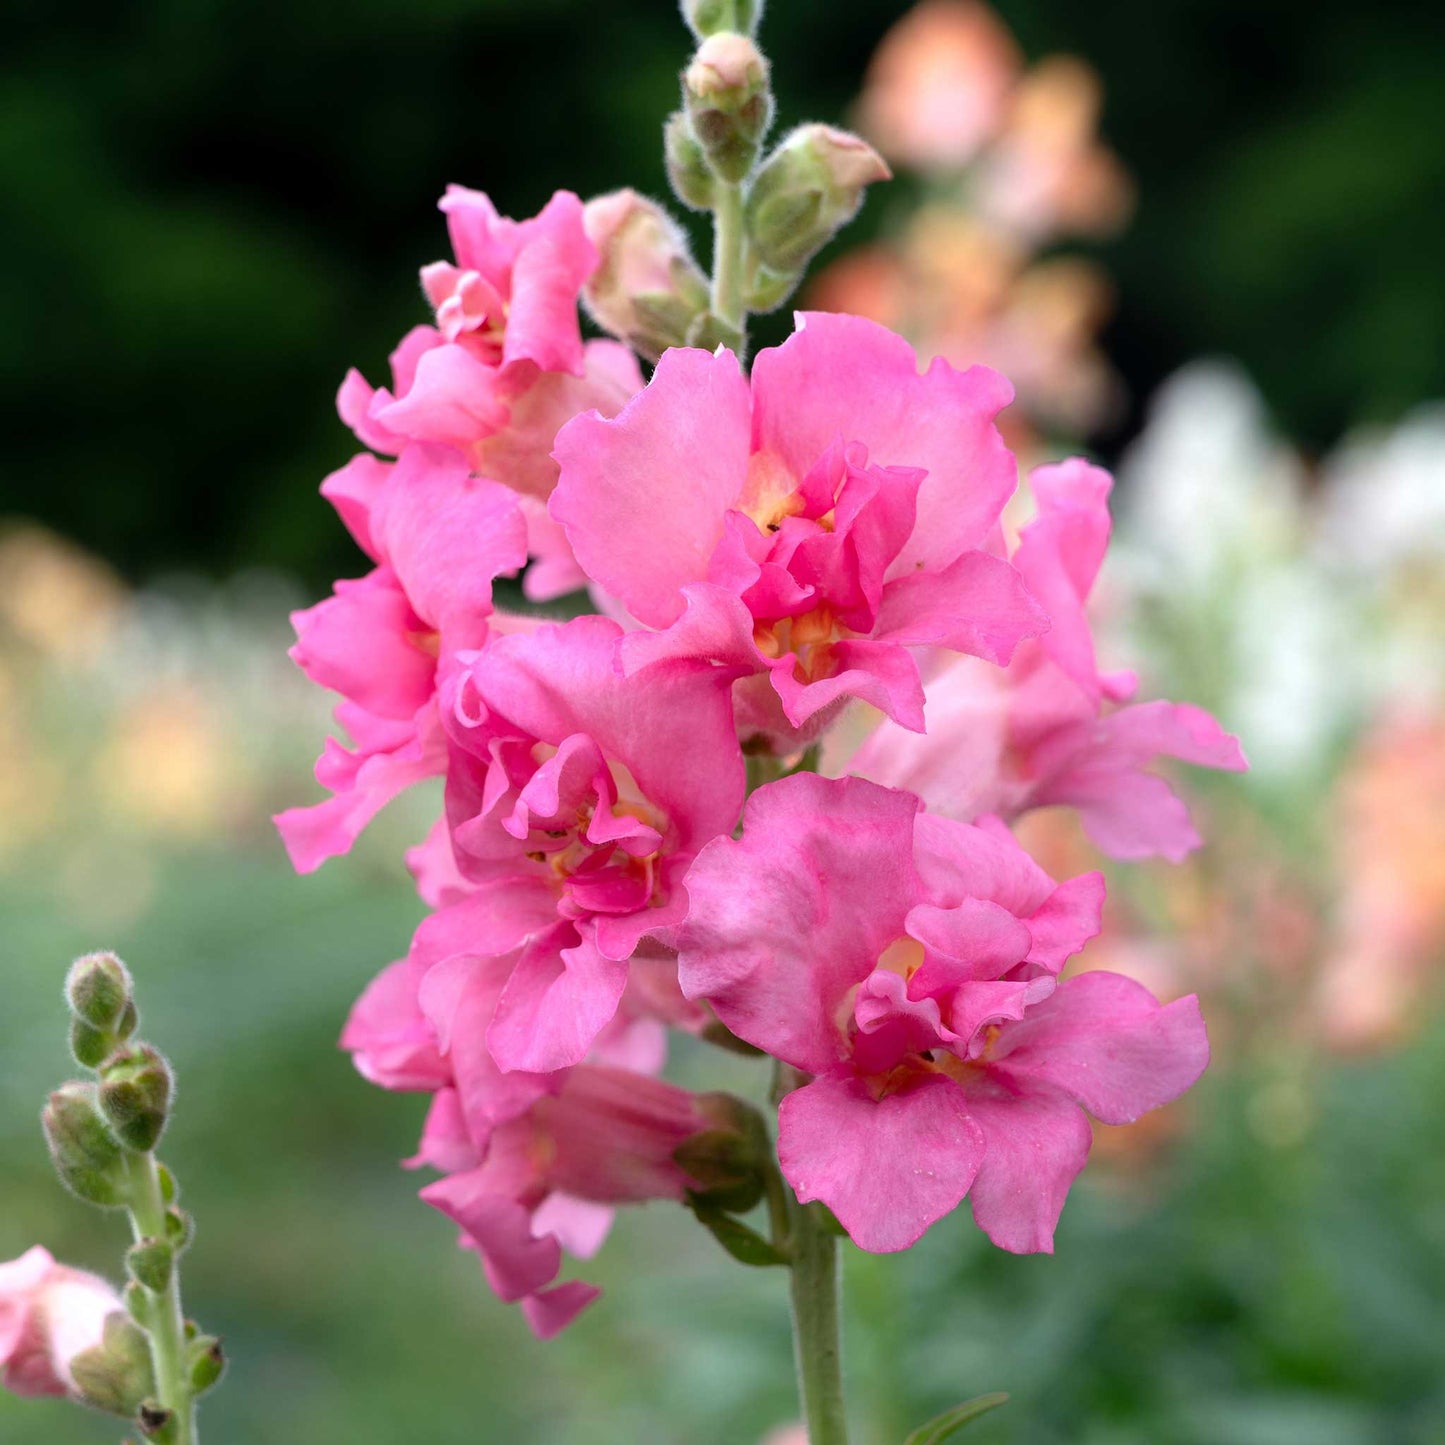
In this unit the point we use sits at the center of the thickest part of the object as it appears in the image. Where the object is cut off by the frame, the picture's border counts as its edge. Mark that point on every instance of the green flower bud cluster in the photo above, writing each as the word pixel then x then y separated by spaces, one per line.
pixel 151 1364
pixel 773 213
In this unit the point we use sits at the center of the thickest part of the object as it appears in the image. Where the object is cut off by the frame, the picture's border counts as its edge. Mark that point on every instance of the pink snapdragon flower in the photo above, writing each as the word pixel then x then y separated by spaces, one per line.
pixel 807 527
pixel 505 365
pixel 535 1163
pixel 577 800
pixel 439 538
pixel 49 1314
pixel 1051 730
pixel 909 964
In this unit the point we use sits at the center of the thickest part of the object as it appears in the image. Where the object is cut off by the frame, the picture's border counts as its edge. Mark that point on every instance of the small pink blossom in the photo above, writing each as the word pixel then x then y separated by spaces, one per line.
pixel 439 538
pixel 49 1314
pixel 808 527
pixel 535 1163
pixel 909 963
pixel 1049 730
pixel 505 366
pixel 577 800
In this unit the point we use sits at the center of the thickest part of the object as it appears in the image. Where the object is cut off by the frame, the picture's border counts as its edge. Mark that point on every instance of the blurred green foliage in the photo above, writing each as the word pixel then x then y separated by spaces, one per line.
pixel 1263 1287
pixel 209 209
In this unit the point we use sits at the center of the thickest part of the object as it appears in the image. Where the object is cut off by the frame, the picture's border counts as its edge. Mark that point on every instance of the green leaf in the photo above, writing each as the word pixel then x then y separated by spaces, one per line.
pixel 951 1421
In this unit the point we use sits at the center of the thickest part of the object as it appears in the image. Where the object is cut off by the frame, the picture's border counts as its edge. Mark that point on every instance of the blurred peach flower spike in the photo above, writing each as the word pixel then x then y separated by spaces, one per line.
pixel 938 86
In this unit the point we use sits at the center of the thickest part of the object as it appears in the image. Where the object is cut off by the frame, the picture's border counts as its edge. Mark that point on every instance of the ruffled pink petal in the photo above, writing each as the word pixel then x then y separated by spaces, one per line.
pixel 968 860
pixel 581 1226
pixel 977 939
pixel 550 1311
pixel 888 1168
pixel 642 497
pixel 1059 555
pixel 977 604
pixel 517 1263
pixel 547 276
pixel 1107 1041
pixel 554 1005
pixel 390 1039
pixel 455 400
pixel 448 536
pixel 787 919
pixel 353 491
pixel 364 642
pixel 841 376
pixel 1036 1141
pixel 1066 921
pixel 880 673
pixel 364 782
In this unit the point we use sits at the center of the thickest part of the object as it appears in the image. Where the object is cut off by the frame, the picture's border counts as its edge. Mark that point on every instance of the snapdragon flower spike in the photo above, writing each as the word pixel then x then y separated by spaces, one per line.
pixel 49 1314
pixel 1051 729
pixel 577 800
pixel 910 964
pixel 439 538
pixel 808 527
pixel 505 365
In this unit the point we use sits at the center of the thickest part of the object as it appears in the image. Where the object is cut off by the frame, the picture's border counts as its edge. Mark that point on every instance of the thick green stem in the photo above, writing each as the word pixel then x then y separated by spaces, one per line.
pixel 729 243
pixel 168 1326
pixel 817 1335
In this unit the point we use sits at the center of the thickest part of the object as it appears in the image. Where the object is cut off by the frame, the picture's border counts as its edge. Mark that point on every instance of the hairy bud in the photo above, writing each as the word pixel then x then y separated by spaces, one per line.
pixel 729 102
pixel 707 17
pixel 89 1161
pixel 727 1160
pixel 115 1375
pixel 806 191
pixel 688 172
pixel 647 290
pixel 135 1096
pixel 98 989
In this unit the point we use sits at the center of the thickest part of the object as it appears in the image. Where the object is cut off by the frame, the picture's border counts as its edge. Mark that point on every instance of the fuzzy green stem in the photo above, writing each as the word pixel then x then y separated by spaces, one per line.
pixel 729 244
pixel 168 1328
pixel 817 1336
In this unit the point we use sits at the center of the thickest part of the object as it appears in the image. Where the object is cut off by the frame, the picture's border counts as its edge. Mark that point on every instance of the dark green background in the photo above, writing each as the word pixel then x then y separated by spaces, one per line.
pixel 209 209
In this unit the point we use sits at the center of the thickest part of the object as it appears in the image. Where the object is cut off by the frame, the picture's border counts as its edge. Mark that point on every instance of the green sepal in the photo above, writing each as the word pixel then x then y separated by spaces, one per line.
pixel 157 1423
pixel 206 1362
pixel 150 1263
pixel 745 1245
pixel 952 1421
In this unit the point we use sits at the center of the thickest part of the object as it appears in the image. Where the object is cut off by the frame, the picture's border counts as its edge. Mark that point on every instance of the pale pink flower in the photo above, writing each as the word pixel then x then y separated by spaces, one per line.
pixel 577 800
pixel 1049 730
pixel 909 964
pixel 49 1314
pixel 808 527
pixel 505 365
pixel 439 538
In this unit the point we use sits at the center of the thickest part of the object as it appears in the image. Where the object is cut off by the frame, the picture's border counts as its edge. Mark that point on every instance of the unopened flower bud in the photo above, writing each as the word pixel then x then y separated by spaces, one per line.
pixel 150 1262
pixel 729 102
pixel 207 1362
pixel 809 188
pixel 647 289
pixel 89 1161
pixel 707 17
pixel 115 1375
pixel 727 1160
pixel 692 179
pixel 135 1096
pixel 98 989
